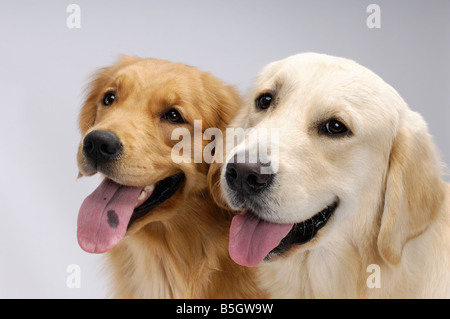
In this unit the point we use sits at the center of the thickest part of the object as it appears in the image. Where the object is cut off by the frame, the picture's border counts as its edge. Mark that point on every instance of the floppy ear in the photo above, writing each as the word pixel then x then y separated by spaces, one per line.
pixel 227 101
pixel 99 80
pixel 414 190
pixel 214 185
pixel 89 109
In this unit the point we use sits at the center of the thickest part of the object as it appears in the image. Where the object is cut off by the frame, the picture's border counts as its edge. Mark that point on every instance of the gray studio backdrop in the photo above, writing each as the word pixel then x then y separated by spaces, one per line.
pixel 46 58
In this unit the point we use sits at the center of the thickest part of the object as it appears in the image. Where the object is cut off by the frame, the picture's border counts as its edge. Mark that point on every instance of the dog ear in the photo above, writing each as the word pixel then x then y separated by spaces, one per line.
pixel 99 80
pixel 214 185
pixel 414 189
pixel 227 102
pixel 89 108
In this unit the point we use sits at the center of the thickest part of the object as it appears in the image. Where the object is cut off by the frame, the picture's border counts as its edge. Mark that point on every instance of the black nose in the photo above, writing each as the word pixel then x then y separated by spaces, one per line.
pixel 246 177
pixel 101 146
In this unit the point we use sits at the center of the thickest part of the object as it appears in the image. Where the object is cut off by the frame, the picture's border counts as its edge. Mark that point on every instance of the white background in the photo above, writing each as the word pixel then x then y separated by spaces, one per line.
pixel 44 67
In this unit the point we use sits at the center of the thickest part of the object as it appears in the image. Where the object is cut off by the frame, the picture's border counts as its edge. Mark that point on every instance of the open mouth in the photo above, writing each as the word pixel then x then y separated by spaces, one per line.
pixel 108 212
pixel 253 239
pixel 303 232
pixel 162 191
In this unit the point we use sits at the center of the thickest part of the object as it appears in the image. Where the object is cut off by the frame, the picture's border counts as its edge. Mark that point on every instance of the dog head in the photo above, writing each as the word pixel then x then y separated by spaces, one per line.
pixel 348 157
pixel 126 124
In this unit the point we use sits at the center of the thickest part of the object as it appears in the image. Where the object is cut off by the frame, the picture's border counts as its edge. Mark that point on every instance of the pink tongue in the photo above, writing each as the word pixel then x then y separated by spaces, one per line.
pixel 251 239
pixel 104 216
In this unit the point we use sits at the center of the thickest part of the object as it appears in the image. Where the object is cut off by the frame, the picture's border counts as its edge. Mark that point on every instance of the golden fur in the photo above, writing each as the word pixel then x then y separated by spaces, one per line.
pixel 394 208
pixel 178 250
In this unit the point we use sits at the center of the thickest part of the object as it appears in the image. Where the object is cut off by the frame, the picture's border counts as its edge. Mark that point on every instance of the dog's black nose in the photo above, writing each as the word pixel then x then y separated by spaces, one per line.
pixel 101 146
pixel 246 177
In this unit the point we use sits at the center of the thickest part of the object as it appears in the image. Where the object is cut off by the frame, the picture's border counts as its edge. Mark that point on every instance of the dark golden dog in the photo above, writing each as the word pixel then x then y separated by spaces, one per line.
pixel 164 235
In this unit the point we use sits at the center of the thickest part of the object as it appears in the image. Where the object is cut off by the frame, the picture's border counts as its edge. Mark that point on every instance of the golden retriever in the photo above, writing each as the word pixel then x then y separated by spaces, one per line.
pixel 355 206
pixel 163 234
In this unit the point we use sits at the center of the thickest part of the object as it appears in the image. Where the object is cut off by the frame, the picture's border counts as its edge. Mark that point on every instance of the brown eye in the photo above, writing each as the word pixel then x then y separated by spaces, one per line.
pixel 109 98
pixel 264 101
pixel 334 128
pixel 173 116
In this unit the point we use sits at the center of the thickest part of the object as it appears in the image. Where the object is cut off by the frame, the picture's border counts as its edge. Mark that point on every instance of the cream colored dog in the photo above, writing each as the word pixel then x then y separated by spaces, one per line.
pixel 355 205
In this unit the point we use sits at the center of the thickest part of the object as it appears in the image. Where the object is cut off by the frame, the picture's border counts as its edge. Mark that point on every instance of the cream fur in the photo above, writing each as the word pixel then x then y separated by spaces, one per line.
pixel 394 208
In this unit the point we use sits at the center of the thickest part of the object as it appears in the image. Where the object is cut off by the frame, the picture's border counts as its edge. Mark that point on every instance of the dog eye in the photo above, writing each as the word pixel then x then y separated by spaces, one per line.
pixel 264 101
pixel 334 127
pixel 173 116
pixel 109 98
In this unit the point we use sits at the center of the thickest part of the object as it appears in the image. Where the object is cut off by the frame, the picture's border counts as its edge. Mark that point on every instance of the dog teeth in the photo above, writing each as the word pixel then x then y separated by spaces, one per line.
pixel 145 191
pixel 142 195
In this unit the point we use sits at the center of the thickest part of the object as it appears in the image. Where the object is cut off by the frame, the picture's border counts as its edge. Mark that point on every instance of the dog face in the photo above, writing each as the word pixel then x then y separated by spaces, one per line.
pixel 337 123
pixel 127 123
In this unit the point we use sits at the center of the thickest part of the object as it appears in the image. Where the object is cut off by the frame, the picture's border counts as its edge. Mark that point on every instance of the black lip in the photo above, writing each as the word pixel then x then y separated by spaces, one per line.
pixel 303 232
pixel 164 189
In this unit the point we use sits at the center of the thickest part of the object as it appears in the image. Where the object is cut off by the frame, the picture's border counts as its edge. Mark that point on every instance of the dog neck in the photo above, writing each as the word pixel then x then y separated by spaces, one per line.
pixel 183 257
